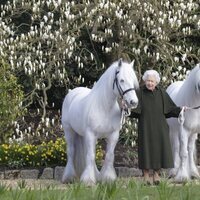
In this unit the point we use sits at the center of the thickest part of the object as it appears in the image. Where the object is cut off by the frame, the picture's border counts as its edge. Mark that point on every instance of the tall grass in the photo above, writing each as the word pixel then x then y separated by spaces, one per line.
pixel 122 189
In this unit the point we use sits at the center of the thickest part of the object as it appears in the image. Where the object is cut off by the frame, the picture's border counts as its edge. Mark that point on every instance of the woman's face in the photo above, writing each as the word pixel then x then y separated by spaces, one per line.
pixel 151 82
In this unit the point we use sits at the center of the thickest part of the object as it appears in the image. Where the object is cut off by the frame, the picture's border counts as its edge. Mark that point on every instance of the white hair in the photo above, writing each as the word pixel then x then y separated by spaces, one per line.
pixel 151 72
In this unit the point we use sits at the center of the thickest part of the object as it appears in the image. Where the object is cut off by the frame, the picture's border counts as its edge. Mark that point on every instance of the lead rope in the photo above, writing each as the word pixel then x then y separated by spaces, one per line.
pixel 181 119
pixel 125 113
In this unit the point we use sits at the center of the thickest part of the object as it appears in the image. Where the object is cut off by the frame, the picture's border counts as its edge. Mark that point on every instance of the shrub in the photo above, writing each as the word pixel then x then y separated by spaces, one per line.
pixel 52 153
pixel 10 98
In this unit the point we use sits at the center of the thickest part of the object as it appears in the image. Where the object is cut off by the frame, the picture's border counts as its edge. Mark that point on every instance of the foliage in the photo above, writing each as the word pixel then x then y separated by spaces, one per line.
pixel 54 46
pixel 129 132
pixel 11 96
pixel 55 43
pixel 17 155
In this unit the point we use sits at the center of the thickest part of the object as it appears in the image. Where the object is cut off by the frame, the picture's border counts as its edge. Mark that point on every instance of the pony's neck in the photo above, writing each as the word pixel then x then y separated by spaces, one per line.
pixel 188 94
pixel 103 92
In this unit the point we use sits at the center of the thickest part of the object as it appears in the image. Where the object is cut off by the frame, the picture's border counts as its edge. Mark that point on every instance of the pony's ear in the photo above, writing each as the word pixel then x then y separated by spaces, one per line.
pixel 132 63
pixel 120 62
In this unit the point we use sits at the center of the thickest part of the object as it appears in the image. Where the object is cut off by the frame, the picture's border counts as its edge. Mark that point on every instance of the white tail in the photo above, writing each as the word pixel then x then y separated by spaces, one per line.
pixel 79 154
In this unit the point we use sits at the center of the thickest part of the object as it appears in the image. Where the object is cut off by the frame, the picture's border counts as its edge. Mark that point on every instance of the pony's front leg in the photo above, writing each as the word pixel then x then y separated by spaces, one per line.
pixel 183 174
pixel 191 149
pixel 89 174
pixel 108 172
pixel 175 150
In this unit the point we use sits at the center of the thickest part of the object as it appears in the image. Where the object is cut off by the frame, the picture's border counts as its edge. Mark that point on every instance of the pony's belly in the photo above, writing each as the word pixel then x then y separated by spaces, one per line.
pixel 104 125
pixel 103 131
pixel 192 127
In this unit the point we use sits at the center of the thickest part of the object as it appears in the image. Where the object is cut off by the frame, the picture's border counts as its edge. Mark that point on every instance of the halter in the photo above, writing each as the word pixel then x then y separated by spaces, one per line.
pixel 194 108
pixel 181 117
pixel 124 111
pixel 119 88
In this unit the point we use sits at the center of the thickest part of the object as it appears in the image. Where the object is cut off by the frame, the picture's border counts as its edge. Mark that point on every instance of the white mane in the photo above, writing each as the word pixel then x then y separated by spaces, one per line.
pixel 103 87
pixel 188 91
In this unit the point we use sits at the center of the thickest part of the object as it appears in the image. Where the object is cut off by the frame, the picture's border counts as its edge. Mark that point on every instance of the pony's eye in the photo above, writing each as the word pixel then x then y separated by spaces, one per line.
pixel 122 81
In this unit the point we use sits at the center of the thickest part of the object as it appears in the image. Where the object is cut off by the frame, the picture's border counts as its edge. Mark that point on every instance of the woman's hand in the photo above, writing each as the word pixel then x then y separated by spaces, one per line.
pixel 184 108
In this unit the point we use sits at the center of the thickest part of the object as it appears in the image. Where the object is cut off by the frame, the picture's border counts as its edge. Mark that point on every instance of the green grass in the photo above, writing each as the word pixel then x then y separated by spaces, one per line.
pixel 120 190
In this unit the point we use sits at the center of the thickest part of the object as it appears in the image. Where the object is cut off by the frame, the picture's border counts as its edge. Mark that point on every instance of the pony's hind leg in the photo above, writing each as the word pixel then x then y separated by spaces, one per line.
pixel 191 151
pixel 69 173
pixel 108 172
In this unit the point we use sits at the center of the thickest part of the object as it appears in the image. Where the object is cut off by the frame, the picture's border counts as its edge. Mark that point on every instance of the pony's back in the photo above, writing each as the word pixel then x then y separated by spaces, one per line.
pixel 173 89
pixel 79 92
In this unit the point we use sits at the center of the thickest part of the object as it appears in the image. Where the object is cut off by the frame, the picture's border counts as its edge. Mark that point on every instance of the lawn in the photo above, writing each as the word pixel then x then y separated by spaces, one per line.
pixel 122 189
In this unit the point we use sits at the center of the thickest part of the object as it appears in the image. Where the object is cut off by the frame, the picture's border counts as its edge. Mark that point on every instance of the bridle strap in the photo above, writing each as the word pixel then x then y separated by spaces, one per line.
pixel 197 107
pixel 119 88
pixel 115 80
pixel 128 90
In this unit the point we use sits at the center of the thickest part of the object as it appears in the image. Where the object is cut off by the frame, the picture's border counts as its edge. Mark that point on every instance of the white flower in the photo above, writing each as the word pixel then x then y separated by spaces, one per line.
pixel 164 79
pixel 17 131
pixel 184 57
pixel 176 59
pixel 179 68
pixel 45 18
pixel 173 74
pixel 29 129
pixel 47 122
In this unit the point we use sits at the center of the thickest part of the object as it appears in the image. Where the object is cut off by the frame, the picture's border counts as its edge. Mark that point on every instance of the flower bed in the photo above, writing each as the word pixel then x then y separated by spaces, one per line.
pixel 52 153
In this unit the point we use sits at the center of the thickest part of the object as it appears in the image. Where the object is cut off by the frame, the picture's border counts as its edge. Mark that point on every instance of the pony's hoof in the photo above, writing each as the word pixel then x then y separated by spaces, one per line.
pixel 67 181
pixel 195 174
pixel 88 179
pixel 89 183
pixel 181 179
pixel 172 173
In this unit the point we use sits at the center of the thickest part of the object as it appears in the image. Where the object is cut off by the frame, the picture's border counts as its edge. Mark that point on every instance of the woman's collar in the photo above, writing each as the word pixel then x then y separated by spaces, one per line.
pixel 145 88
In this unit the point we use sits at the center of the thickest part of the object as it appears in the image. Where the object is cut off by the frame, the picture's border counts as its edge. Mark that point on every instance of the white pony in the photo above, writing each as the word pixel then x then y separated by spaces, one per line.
pixel 183 135
pixel 89 114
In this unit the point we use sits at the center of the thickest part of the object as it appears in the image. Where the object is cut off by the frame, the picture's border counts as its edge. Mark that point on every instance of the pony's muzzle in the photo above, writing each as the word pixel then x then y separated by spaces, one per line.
pixel 133 104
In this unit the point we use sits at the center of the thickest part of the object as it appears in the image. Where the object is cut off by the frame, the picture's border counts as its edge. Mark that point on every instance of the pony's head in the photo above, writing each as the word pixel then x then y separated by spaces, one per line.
pixel 125 83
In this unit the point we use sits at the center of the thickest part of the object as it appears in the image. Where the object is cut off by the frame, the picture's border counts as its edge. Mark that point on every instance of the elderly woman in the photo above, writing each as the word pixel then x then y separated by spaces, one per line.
pixel 155 105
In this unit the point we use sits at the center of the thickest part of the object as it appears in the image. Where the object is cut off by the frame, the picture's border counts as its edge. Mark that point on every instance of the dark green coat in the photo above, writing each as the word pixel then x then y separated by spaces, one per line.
pixel 154 148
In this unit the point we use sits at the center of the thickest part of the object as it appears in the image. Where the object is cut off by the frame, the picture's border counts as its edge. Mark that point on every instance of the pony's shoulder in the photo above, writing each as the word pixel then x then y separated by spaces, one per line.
pixel 176 84
pixel 79 91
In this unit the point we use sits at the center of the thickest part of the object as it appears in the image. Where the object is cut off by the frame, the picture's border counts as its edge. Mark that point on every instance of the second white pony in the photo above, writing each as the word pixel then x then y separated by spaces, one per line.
pixel 183 136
